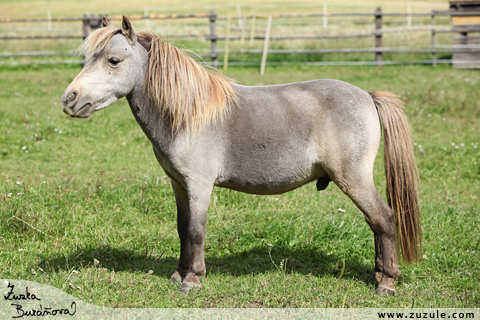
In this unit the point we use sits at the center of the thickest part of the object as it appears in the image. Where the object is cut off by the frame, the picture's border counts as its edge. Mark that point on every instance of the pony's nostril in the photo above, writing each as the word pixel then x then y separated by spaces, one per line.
pixel 71 98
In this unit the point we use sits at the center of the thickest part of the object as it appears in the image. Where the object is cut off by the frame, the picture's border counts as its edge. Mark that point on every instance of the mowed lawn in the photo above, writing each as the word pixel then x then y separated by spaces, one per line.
pixel 85 207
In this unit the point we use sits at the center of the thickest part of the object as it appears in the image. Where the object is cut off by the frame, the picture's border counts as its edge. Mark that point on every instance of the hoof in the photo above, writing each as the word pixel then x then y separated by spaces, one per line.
pixel 376 277
pixel 176 278
pixel 188 287
pixel 383 291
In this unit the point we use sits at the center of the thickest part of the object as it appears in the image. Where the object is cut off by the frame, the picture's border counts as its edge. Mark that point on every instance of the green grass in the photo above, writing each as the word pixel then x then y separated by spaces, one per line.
pixel 88 195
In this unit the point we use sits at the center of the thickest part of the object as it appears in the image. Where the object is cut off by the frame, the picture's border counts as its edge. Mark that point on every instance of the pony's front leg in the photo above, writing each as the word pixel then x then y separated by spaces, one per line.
pixel 192 207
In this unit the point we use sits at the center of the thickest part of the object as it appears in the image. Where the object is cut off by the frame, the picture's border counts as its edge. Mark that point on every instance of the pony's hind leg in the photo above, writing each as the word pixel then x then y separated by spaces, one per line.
pixel 378 272
pixel 380 218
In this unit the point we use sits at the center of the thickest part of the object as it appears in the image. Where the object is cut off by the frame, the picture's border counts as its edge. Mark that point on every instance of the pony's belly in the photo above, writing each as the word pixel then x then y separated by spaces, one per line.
pixel 268 182
pixel 261 189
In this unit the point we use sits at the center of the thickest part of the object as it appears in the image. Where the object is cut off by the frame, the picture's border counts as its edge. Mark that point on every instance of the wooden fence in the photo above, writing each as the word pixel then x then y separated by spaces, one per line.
pixel 90 22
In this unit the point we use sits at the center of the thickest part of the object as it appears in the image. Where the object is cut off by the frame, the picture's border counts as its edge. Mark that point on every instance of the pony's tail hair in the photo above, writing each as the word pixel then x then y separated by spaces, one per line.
pixel 401 175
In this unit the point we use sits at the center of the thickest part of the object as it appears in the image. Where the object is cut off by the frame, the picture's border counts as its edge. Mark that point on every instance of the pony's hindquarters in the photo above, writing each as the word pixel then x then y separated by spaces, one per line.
pixel 396 226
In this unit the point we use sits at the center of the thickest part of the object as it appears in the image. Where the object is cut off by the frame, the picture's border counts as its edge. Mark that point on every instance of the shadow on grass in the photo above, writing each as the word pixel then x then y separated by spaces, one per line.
pixel 258 260
pixel 288 259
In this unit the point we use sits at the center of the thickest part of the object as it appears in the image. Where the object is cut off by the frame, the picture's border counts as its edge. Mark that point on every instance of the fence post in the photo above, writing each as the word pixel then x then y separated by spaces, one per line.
pixel 86 31
pixel 242 35
pixel 49 20
pixel 325 19
pixel 86 26
pixel 265 46
pixel 378 36
pixel 213 38
pixel 227 42
pixel 241 24
pixel 409 16
pixel 252 31
pixel 147 18
pixel 434 52
pixel 89 23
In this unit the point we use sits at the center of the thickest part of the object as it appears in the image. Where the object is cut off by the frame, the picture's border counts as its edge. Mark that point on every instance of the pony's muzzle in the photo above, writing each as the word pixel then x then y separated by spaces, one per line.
pixel 74 107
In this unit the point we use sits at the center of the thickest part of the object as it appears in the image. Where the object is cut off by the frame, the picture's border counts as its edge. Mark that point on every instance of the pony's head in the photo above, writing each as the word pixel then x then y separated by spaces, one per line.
pixel 113 67
pixel 119 61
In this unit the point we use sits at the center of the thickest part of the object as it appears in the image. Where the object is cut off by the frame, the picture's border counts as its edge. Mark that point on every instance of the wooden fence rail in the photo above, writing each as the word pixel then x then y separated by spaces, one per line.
pixel 91 22
pixel 89 17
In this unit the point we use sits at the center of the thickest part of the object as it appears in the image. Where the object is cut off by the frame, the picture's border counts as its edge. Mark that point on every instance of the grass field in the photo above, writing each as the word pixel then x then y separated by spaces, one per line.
pixel 85 207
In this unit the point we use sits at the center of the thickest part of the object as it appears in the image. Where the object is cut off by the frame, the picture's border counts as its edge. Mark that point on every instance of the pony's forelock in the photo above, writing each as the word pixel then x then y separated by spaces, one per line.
pixel 96 42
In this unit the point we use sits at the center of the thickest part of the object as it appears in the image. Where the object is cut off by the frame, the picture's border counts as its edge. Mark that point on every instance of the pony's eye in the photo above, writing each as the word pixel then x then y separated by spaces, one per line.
pixel 113 61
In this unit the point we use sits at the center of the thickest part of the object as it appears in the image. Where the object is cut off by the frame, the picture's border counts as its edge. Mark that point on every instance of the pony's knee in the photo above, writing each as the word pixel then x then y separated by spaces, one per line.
pixel 196 234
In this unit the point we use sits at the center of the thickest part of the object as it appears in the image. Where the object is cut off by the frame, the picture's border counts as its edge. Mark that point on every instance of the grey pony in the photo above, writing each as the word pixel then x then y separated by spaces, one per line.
pixel 272 139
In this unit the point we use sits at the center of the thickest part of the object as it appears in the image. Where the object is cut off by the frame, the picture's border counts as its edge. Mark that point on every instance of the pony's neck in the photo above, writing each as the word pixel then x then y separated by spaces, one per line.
pixel 152 122
pixel 147 114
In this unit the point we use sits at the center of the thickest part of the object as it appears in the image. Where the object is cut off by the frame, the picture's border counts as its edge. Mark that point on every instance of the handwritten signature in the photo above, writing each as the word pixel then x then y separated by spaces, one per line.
pixel 41 311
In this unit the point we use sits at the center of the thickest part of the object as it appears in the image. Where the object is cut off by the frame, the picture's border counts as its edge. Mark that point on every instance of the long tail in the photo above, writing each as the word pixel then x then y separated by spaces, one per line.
pixel 401 174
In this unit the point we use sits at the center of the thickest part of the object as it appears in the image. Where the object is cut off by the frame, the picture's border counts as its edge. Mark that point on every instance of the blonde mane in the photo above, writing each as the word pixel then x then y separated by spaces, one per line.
pixel 184 91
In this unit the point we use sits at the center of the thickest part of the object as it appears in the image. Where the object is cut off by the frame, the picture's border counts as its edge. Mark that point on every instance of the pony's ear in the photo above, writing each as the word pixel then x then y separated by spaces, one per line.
pixel 128 32
pixel 105 22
